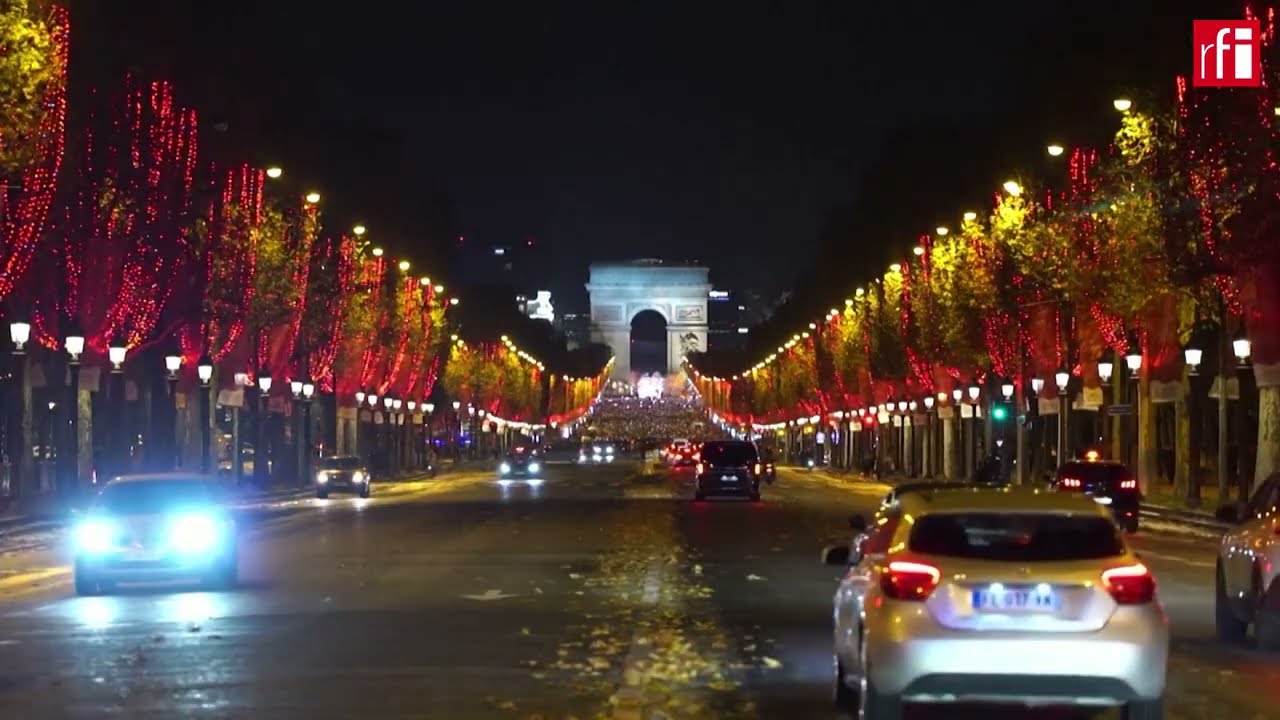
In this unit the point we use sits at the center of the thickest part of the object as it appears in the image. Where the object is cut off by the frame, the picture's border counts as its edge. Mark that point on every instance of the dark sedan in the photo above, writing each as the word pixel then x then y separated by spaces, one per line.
pixel 729 468
pixel 520 463
pixel 342 472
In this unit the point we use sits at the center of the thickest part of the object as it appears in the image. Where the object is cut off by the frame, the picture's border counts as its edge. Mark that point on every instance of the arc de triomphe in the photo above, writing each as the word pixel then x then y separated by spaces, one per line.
pixel 620 291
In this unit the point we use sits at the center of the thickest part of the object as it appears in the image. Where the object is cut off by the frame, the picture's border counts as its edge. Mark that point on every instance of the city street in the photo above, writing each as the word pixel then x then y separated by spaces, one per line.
pixel 597 593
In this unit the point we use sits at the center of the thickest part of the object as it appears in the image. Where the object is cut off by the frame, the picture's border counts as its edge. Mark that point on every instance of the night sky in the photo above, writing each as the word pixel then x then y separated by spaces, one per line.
pixel 746 135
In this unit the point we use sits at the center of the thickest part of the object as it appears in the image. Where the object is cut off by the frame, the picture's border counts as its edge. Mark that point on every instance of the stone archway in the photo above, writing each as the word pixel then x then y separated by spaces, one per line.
pixel 620 291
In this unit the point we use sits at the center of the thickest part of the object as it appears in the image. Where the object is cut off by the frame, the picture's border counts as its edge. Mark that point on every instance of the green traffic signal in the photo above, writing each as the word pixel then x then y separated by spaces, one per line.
pixel 999 412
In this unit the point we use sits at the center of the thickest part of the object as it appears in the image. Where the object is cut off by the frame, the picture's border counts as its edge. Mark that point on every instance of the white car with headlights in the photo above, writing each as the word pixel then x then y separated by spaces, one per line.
pixel 597 452
pixel 997 595
pixel 342 472
pixel 148 528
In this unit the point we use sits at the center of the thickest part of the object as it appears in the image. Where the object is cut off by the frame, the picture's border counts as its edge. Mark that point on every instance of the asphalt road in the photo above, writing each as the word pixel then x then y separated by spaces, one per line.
pixel 594 594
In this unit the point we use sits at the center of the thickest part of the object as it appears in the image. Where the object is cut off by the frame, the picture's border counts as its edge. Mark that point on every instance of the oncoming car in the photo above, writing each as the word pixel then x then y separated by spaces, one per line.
pixel 148 528
pixel 343 472
pixel 994 595
pixel 520 463
pixel 597 452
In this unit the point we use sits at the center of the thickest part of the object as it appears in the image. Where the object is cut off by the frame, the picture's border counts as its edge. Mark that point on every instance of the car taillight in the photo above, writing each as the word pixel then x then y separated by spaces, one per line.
pixel 1130 584
pixel 759 468
pixel 1128 484
pixel 905 580
pixel 701 469
pixel 1070 482
pixel 697 456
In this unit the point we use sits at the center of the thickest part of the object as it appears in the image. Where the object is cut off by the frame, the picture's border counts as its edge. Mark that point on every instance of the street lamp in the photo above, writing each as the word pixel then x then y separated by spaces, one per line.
pixel 1241 347
pixel 358 230
pixel 912 406
pixel 1133 361
pixel 957 395
pixel 308 390
pixel 1055 150
pixel 260 428
pixel 928 402
pixel 116 353
pixel 1105 368
pixel 1037 384
pixel 19 333
pixel 172 363
pixel 1193 356
pixel 359 398
pixel 902 406
pixel 388 402
pixel 457 405
pixel 295 386
pixel 274 172
pixel 411 405
pixel 1122 104
pixel 1012 187
pixel 373 400
pixel 312 198
pixel 974 392
pixel 429 407
pixel 1006 390
pixel 75 347
pixel 204 369
pixel 1061 378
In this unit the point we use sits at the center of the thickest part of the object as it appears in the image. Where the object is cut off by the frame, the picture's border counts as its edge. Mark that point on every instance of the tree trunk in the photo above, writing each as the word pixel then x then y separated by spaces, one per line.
pixel 1183 469
pixel 950 456
pixel 1148 448
pixel 1268 458
pixel 908 447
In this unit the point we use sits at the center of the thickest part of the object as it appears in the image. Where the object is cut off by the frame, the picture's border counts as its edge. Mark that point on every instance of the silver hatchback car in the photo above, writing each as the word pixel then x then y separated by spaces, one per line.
pixel 997 595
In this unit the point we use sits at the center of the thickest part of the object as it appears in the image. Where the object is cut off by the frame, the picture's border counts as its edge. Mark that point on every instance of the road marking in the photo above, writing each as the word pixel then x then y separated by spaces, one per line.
pixel 33 576
pixel 488 595
pixel 629 698
pixel 1175 559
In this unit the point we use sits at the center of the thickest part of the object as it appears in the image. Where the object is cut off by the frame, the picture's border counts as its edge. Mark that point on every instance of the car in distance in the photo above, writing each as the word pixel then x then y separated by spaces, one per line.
pixel 162 527
pixel 1109 483
pixel 728 467
pixel 520 462
pixel 997 596
pixel 597 452
pixel 682 453
pixel 342 472
pixel 1247 573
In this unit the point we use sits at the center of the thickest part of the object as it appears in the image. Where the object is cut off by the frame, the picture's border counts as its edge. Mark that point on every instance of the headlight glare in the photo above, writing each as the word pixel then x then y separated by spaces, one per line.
pixel 322 477
pixel 95 536
pixel 534 467
pixel 357 477
pixel 193 533
pixel 504 468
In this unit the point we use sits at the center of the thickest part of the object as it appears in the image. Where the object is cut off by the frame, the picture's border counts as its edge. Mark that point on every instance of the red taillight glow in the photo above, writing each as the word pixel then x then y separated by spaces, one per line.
pixel 697 456
pixel 1128 484
pixel 1130 584
pixel 1070 482
pixel 906 580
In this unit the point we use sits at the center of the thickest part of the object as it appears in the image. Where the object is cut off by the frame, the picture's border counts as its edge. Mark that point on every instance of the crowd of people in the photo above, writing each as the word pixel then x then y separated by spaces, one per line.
pixel 650 421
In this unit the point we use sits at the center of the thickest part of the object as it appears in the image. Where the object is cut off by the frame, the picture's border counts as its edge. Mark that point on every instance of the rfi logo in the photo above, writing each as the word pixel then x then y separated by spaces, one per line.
pixel 1226 53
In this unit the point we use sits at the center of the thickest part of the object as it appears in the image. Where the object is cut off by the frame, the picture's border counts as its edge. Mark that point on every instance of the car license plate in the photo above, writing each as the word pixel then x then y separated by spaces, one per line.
pixel 729 478
pixel 1025 599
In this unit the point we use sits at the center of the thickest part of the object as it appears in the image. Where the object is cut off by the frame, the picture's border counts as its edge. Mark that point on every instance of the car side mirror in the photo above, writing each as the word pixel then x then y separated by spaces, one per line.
pixel 1231 513
pixel 836 555
pixel 857 523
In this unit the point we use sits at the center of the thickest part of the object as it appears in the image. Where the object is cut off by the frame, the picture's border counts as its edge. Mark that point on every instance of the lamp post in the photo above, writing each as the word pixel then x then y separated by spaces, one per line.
pixel 1133 362
pixel 388 403
pixel 19 449
pixel 299 455
pixel 1241 348
pixel 1062 379
pixel 173 363
pixel 308 394
pixel 116 353
pixel 457 437
pixel 237 452
pixel 204 370
pixel 260 441
pixel 354 447
pixel 374 440
pixel 73 343
pixel 1193 356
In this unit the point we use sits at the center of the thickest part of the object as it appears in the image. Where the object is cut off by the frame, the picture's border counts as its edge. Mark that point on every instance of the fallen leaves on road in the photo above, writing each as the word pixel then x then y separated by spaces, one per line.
pixel 755 578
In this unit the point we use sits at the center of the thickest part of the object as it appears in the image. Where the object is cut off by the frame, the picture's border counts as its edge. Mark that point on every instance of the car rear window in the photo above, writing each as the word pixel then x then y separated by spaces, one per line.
pixel 1015 537
pixel 1095 474
pixel 150 496
pixel 729 453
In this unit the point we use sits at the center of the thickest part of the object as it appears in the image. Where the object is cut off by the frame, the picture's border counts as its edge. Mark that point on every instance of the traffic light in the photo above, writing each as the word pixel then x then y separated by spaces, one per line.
pixel 999 413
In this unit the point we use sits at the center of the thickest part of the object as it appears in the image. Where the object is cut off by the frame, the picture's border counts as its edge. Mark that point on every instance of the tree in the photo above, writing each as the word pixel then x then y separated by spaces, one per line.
pixel 33 65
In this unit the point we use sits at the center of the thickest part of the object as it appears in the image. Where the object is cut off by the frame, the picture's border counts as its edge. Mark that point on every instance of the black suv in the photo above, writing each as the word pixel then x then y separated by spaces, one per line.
pixel 1110 483
pixel 729 467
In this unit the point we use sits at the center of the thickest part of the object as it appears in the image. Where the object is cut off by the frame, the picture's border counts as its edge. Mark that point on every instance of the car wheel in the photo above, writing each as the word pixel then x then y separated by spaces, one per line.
pixel 322 494
pixel 1143 710
pixel 1230 629
pixel 877 706
pixel 1266 623
pixel 846 698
